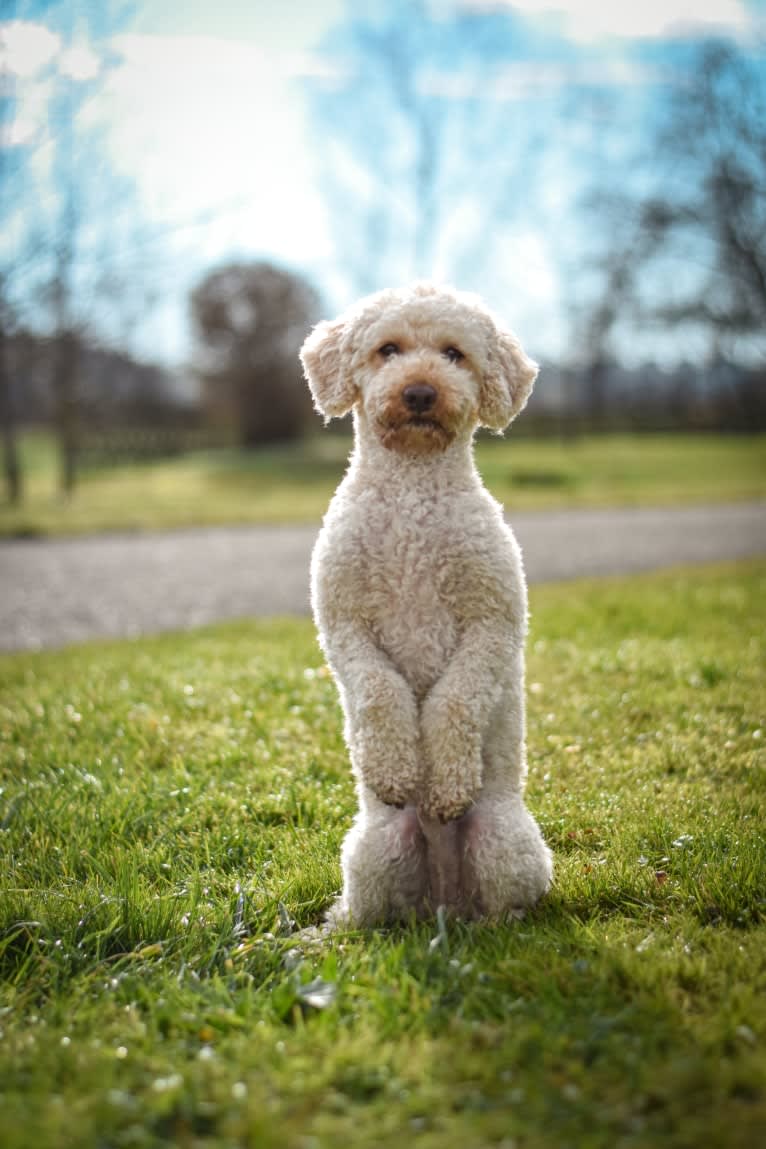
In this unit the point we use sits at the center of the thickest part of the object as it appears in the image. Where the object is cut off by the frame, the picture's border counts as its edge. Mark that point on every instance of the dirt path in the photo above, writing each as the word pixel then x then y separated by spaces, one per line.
pixel 54 592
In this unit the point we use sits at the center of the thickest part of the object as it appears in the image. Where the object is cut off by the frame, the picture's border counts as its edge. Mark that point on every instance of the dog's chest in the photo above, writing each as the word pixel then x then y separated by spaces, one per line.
pixel 405 575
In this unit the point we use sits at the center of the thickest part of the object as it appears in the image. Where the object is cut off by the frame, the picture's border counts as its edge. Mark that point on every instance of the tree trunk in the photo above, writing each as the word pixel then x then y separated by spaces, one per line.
pixel 11 464
pixel 596 389
pixel 65 357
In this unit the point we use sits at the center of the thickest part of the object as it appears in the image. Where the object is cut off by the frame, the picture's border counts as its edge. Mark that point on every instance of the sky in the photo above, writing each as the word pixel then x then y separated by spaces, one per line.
pixel 203 112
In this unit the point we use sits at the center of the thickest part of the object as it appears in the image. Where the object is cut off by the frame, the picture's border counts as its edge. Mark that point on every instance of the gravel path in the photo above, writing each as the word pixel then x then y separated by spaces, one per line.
pixel 54 592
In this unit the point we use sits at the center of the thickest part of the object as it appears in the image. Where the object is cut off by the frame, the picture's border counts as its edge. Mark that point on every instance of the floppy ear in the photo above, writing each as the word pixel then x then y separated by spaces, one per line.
pixel 327 368
pixel 507 383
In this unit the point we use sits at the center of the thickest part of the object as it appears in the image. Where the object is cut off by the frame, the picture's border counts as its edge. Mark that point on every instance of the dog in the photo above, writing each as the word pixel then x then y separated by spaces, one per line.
pixel 419 598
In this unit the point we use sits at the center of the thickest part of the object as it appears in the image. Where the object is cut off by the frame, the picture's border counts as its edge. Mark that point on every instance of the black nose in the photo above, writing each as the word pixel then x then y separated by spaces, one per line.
pixel 419 397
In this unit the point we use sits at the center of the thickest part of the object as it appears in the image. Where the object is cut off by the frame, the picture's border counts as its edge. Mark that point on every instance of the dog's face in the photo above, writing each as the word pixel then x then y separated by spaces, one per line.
pixel 418 376
pixel 422 367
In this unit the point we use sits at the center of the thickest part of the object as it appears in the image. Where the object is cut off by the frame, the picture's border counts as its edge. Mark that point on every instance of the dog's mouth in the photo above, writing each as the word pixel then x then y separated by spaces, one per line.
pixel 417 434
pixel 425 421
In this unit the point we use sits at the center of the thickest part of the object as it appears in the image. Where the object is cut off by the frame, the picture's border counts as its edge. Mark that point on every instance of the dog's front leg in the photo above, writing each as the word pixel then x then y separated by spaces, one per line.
pixel 381 715
pixel 455 715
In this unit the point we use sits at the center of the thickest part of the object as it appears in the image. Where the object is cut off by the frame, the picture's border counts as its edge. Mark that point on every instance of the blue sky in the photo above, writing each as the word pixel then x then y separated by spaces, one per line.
pixel 205 112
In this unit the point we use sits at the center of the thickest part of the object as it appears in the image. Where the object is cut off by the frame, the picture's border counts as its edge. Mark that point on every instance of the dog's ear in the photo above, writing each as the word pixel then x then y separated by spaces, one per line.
pixel 327 368
pixel 507 382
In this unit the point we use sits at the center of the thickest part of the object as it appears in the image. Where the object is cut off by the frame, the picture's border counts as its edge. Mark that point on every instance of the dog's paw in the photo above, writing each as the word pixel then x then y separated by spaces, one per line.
pixel 447 804
pixel 452 788
pixel 392 792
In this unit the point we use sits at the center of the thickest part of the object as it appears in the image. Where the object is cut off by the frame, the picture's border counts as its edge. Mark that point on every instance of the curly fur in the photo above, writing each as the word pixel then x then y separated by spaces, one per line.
pixel 420 602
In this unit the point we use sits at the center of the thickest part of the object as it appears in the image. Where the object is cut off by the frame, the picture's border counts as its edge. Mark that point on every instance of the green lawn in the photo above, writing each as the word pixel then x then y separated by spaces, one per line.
pixel 170 806
pixel 294 484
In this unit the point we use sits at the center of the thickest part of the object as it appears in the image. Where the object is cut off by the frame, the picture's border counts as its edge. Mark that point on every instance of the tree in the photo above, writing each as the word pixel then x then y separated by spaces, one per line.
pixel 673 254
pixel 679 245
pixel 712 212
pixel 8 429
pixel 250 320
pixel 60 202
pixel 430 148
pixel 11 458
pixel 597 314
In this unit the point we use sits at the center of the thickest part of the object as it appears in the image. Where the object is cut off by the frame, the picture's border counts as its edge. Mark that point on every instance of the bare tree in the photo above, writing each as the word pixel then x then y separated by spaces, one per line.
pixel 8 429
pixel 674 238
pixel 62 199
pixel 250 321
pixel 604 301
pixel 11 457
pixel 679 245
pixel 711 211
pixel 430 147
pixel 71 272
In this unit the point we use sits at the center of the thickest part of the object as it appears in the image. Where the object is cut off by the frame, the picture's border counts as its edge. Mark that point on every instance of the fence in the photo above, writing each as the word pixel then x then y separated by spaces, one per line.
pixel 116 446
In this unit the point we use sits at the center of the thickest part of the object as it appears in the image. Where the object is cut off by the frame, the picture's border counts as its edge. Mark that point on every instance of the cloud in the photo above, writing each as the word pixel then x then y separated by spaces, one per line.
pixel 26 48
pixel 210 120
pixel 79 62
pixel 31 56
pixel 592 20
pixel 525 79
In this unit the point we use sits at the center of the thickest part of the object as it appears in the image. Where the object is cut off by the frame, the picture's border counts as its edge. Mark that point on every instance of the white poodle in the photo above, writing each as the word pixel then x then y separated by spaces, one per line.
pixel 419 597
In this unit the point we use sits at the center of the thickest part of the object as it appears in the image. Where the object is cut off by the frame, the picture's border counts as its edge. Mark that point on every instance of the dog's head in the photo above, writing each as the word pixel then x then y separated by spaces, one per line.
pixel 422 366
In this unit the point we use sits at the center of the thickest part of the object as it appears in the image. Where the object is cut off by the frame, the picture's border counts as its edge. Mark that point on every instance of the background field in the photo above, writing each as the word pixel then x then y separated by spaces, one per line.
pixel 171 813
pixel 294 484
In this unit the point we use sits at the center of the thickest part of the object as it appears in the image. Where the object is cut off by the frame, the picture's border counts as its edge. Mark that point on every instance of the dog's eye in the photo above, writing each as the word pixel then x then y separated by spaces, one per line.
pixel 388 349
pixel 454 354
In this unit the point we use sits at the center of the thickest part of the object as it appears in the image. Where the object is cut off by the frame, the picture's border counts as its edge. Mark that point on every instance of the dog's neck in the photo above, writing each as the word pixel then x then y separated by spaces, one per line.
pixel 450 469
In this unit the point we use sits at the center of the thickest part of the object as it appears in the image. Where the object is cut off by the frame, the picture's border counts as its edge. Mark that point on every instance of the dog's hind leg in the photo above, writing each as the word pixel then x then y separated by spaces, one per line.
pixel 385 874
pixel 507 866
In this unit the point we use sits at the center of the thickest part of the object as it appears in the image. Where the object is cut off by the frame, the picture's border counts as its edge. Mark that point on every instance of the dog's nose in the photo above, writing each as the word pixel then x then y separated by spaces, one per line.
pixel 419 397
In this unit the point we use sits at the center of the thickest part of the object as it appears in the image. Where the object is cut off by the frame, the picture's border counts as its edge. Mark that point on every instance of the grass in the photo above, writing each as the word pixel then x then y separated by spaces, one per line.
pixel 171 807
pixel 294 484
